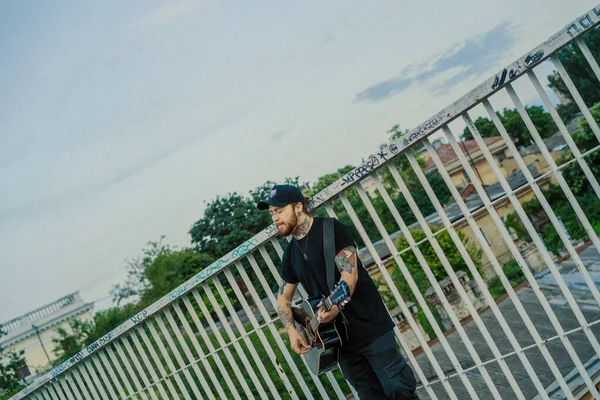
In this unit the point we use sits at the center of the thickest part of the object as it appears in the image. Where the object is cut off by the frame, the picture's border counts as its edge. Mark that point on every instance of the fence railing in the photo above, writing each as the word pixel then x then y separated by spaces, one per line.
pixel 217 336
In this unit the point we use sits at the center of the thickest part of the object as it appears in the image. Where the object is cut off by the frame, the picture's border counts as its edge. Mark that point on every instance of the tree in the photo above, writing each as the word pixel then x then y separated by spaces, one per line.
pixel 160 269
pixel 515 126
pixel 10 364
pixel 585 140
pixel 70 343
pixel 229 221
pixel 580 73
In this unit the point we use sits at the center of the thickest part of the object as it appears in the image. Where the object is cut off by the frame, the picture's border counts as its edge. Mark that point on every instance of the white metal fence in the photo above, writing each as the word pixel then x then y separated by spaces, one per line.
pixel 216 336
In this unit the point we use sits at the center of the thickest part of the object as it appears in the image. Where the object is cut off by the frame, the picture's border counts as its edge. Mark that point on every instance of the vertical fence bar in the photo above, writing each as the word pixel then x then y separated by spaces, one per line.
pixel 138 387
pixel 224 347
pixel 514 251
pixel 161 369
pixel 111 373
pixel 96 381
pixel 165 353
pixel 271 297
pixel 256 326
pixel 242 330
pixel 203 357
pixel 358 225
pixel 533 234
pixel 65 387
pixel 190 357
pixel 138 367
pixel 588 56
pixel 155 379
pixel 566 190
pixel 96 361
pixel 565 133
pixel 211 349
pixel 576 96
pixel 233 339
pixel 447 267
pixel 399 337
pixel 421 300
pixel 177 355
pixel 88 381
pixel 300 288
pixel 282 347
pixel 115 360
pixel 478 279
pixel 72 386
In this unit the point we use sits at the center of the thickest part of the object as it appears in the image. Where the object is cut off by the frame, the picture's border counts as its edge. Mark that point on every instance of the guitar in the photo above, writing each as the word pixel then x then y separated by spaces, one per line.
pixel 324 339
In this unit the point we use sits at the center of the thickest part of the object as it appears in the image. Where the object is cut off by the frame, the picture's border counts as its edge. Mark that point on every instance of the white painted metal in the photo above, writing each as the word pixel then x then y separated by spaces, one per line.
pixel 138 387
pixel 121 374
pixel 405 310
pixel 142 351
pixel 512 247
pixel 154 356
pixel 113 377
pixel 208 343
pixel 189 356
pixel 177 355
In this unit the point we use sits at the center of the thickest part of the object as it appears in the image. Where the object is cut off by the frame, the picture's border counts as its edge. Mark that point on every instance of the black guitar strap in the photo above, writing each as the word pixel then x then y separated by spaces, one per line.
pixel 329 249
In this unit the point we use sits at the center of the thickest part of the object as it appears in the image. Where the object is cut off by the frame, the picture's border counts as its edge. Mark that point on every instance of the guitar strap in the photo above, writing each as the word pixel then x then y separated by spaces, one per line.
pixel 329 250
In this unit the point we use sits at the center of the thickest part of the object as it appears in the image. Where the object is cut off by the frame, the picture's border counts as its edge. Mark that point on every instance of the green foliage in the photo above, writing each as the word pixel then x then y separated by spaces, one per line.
pixel 160 269
pixel 515 126
pixel 412 264
pixel 10 363
pixel 580 72
pixel 417 273
pixel 513 273
pixel 229 221
pixel 70 342
pixel 513 222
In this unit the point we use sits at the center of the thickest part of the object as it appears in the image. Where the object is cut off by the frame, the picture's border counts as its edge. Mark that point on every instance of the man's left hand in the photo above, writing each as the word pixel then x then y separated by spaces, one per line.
pixel 327 316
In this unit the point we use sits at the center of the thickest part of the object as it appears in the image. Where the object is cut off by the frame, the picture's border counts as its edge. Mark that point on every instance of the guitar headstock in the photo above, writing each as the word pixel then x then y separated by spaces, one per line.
pixel 339 295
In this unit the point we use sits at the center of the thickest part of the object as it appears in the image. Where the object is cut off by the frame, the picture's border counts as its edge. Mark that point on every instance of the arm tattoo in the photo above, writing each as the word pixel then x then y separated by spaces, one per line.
pixel 346 259
pixel 282 287
pixel 285 313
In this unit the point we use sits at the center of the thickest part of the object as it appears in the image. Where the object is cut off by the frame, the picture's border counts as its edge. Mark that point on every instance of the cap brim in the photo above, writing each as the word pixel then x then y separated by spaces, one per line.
pixel 264 205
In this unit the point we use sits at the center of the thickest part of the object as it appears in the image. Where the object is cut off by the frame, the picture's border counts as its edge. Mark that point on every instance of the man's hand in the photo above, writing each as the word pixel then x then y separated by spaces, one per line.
pixel 327 316
pixel 297 342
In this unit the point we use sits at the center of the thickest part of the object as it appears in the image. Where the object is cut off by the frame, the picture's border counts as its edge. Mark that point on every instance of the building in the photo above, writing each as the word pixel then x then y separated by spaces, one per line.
pixel 33 332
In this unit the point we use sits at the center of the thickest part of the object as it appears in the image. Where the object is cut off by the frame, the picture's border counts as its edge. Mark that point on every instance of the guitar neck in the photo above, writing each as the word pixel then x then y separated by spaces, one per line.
pixel 314 321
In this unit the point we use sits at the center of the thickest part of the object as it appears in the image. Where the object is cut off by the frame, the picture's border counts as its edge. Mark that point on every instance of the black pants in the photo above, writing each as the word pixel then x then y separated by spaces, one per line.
pixel 378 370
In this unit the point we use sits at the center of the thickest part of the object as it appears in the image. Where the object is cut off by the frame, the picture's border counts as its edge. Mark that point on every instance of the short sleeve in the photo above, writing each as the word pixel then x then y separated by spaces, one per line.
pixel 287 273
pixel 343 236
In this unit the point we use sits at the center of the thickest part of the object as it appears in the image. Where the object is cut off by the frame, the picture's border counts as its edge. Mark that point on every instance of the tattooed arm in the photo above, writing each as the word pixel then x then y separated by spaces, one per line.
pixel 284 309
pixel 346 261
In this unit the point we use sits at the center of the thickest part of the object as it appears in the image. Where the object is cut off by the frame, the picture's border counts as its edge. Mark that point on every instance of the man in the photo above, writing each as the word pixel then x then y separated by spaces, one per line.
pixel 369 357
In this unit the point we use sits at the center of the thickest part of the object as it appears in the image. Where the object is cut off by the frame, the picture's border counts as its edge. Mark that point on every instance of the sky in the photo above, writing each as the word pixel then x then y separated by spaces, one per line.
pixel 120 120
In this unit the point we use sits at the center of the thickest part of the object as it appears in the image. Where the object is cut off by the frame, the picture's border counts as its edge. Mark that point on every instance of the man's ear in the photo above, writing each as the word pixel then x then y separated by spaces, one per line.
pixel 298 209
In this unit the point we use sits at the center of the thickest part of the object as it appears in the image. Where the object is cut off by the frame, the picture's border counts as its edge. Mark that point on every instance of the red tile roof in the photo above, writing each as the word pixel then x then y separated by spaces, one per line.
pixel 447 155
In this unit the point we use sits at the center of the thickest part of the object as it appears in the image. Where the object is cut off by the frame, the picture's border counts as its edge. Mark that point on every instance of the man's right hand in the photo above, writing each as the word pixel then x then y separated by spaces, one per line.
pixel 297 342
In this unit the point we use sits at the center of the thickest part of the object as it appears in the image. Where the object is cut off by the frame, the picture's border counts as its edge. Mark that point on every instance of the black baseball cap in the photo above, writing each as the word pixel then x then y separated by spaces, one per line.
pixel 282 195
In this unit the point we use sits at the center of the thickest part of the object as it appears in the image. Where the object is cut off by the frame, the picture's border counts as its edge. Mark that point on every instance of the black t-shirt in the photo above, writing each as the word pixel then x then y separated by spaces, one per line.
pixel 367 316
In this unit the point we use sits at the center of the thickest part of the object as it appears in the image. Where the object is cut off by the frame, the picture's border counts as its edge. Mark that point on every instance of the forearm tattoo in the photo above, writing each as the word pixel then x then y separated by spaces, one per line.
pixel 346 259
pixel 285 313
pixel 282 287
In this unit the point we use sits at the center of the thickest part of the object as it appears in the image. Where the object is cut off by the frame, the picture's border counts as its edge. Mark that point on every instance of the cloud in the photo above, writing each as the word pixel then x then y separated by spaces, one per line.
pixel 471 58
pixel 277 136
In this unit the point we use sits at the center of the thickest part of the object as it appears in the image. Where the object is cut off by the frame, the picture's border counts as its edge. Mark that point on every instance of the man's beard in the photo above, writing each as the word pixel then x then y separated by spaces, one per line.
pixel 287 228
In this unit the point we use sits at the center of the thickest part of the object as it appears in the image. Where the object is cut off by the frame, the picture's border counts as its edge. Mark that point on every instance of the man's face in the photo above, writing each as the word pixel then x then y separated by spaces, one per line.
pixel 284 218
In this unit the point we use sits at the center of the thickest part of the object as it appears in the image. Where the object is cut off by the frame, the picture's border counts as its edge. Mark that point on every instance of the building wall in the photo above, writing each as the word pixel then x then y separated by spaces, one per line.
pixel 35 357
